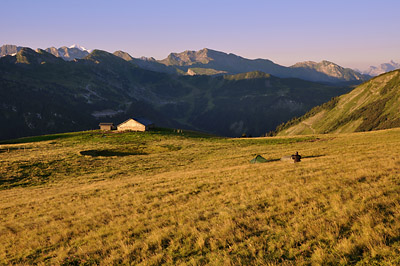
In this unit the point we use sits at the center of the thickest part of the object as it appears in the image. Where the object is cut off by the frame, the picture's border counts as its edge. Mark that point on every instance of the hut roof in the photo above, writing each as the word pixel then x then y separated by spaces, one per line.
pixel 141 120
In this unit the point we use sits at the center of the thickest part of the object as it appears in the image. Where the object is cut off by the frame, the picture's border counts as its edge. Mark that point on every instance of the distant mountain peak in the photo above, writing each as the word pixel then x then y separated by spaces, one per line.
pixel 151 59
pixel 69 53
pixel 123 55
pixel 188 58
pixel 9 49
pixel 77 46
pixel 314 64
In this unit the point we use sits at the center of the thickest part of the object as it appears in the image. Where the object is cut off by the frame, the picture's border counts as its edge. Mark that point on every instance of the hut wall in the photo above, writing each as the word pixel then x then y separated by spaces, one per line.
pixel 106 127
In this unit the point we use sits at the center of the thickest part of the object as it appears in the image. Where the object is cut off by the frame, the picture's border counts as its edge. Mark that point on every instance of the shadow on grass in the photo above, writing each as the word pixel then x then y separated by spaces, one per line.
pixel 288 158
pixel 110 153
pixel 273 160
pixel 313 156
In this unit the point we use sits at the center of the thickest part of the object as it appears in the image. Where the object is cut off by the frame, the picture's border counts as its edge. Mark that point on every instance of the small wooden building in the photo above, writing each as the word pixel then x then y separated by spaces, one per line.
pixel 137 124
pixel 106 126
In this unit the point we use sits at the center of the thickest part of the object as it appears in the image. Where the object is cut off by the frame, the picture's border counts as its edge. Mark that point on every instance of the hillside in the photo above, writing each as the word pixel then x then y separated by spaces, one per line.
pixel 95 198
pixel 371 106
pixel 215 62
pixel 42 94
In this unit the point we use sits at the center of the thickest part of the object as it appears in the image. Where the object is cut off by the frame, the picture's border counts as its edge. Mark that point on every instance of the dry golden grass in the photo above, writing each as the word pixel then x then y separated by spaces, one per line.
pixel 188 200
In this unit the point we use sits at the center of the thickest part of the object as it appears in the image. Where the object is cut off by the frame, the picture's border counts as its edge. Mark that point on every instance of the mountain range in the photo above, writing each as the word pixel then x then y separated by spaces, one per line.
pixel 41 93
pixel 371 106
pixel 68 53
pixel 211 62
pixel 214 62
pixel 382 68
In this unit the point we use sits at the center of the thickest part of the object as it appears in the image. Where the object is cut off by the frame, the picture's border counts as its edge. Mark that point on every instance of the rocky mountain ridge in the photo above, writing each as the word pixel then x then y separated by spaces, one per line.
pixel 66 53
pixel 9 49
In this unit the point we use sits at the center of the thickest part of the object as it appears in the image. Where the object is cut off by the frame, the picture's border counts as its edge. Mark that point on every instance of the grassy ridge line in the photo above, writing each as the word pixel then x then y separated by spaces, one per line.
pixel 199 201
pixel 90 133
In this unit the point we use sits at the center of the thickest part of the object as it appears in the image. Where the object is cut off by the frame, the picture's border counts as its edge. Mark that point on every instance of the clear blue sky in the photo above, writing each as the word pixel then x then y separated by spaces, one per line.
pixel 352 33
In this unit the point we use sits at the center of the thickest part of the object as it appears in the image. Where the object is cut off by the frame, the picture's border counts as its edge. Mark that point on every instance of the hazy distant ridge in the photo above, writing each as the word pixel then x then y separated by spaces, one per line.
pixel 382 68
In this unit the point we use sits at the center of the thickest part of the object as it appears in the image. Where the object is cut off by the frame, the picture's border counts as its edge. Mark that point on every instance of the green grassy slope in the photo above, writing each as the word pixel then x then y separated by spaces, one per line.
pixel 160 197
pixel 371 106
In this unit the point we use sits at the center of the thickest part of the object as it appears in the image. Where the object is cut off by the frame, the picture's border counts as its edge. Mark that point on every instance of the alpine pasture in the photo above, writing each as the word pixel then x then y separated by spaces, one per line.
pixel 160 197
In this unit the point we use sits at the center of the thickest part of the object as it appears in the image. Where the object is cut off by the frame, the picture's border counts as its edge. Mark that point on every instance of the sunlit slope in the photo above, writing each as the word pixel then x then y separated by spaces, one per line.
pixel 167 198
pixel 371 106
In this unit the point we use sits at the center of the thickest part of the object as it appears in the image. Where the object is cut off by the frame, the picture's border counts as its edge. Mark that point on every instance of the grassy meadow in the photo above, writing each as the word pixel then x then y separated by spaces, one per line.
pixel 170 198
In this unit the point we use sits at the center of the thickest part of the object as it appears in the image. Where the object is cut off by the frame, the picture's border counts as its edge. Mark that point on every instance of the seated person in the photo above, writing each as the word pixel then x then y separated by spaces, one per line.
pixel 296 157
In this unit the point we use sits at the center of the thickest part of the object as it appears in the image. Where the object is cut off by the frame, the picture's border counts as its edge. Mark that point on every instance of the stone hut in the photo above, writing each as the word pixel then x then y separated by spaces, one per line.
pixel 107 126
